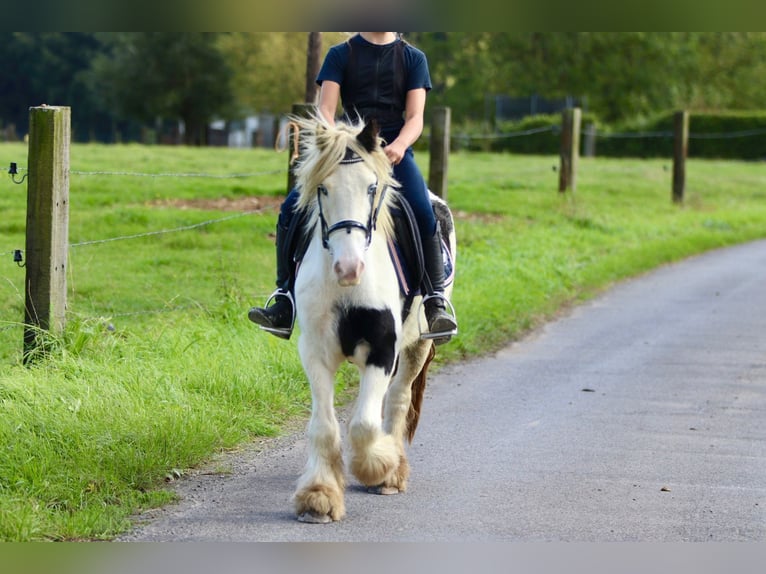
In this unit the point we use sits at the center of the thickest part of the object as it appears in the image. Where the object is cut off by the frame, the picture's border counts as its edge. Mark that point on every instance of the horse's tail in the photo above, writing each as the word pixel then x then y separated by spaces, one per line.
pixel 418 390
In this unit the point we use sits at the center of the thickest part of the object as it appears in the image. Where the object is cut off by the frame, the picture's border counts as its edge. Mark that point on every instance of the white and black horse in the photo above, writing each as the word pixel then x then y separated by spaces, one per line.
pixel 350 307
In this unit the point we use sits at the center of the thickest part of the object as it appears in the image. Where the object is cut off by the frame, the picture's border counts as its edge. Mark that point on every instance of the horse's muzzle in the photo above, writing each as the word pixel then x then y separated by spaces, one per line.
pixel 349 272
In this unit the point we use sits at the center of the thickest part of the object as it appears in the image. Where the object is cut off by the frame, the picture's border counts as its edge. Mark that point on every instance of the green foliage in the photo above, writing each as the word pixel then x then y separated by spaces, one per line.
pixel 722 135
pixel 120 82
pixel 715 135
pixel 89 433
pixel 269 68
pixel 159 370
pixel 741 135
pixel 175 75
pixel 50 68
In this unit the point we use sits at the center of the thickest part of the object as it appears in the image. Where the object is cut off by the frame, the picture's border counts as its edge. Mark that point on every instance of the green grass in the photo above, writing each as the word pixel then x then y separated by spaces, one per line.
pixel 159 368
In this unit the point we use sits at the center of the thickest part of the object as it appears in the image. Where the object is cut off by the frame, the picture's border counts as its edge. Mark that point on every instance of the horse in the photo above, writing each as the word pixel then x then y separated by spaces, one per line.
pixel 350 307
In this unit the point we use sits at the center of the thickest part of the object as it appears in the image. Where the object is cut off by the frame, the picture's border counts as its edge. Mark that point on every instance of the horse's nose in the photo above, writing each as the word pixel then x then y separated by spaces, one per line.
pixel 349 272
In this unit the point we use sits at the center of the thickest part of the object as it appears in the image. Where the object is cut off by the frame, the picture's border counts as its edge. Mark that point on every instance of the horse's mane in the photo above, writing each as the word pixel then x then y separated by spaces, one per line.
pixel 323 147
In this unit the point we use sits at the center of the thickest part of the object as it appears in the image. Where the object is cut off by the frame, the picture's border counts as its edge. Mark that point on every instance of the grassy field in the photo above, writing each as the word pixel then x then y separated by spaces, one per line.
pixel 159 368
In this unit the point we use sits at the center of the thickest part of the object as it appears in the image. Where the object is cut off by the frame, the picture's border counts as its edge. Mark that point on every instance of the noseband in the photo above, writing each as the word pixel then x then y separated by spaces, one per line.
pixel 349 224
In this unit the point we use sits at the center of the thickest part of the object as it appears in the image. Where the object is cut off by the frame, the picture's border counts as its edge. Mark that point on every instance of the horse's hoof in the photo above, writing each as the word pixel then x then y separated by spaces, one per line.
pixel 314 518
pixel 382 489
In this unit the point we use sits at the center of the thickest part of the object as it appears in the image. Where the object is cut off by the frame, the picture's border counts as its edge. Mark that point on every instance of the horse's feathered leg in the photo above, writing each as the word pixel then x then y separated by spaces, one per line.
pixel 319 494
pixel 374 454
pixel 397 417
pixel 368 338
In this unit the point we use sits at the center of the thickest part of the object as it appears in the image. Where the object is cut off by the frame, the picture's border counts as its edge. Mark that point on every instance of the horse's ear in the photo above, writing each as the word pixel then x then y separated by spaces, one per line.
pixel 368 137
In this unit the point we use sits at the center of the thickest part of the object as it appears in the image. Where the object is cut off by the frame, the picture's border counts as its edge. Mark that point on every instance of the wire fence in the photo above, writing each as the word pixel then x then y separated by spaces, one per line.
pixel 554 129
pixel 18 254
pixel 165 231
pixel 179 175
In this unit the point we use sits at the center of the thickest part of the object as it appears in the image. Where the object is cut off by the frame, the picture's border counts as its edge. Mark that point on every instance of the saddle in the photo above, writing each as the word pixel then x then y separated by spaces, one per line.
pixel 405 249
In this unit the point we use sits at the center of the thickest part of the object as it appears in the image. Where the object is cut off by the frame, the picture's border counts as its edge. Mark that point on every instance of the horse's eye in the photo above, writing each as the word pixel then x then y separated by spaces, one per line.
pixel 372 189
pixel 322 189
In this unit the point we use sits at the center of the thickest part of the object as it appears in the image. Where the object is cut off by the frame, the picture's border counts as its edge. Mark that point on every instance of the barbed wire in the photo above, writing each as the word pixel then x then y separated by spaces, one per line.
pixel 170 174
pixel 509 134
pixel 164 231
pixel 728 135
pixel 459 136
pixel 634 135
pixel 153 311
pixel 607 135
pixel 10 325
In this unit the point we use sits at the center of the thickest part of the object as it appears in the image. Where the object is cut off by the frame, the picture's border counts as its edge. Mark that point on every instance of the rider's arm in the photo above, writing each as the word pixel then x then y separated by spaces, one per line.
pixel 413 125
pixel 329 96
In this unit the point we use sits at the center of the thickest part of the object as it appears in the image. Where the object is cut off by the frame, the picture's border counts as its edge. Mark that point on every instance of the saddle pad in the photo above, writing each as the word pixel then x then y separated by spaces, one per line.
pixel 406 274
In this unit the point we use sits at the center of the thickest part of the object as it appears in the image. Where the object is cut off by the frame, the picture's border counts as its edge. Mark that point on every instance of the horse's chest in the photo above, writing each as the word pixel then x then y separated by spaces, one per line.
pixel 372 330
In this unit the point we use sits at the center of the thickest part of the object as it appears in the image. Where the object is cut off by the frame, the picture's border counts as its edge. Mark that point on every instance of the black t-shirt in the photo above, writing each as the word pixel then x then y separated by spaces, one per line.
pixel 374 79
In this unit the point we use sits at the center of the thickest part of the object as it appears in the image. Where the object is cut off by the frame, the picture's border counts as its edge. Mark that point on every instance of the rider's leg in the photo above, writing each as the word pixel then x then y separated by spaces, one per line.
pixel 278 317
pixel 441 325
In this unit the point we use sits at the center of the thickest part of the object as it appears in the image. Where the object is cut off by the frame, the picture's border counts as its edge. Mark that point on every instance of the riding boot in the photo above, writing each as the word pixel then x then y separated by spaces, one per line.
pixel 441 325
pixel 278 318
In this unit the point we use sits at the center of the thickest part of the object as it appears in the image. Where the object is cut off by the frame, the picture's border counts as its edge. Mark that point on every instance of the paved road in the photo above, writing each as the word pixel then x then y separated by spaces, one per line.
pixel 640 416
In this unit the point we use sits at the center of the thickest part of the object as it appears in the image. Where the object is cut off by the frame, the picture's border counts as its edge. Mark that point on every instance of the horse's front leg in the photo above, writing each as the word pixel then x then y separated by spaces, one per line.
pixel 374 453
pixel 402 409
pixel 319 494
pixel 370 338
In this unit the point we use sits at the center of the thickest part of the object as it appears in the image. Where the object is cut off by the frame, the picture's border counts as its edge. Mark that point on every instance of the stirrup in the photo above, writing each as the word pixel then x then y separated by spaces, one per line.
pixel 283 332
pixel 438 337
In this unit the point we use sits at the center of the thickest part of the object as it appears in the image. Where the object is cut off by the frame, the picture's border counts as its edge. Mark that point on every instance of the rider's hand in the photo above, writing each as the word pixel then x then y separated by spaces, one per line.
pixel 394 152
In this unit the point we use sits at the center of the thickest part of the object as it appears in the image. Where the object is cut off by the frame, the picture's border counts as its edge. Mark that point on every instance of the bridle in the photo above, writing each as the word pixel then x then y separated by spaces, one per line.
pixel 350 224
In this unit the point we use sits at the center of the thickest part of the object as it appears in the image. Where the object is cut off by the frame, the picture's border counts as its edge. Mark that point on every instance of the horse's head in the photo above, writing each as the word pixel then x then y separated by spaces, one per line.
pixel 344 178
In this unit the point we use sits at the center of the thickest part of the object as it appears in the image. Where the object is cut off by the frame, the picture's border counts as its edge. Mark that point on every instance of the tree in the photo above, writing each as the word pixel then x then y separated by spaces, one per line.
pixel 165 75
pixel 50 68
pixel 270 68
pixel 313 63
pixel 622 75
pixel 119 82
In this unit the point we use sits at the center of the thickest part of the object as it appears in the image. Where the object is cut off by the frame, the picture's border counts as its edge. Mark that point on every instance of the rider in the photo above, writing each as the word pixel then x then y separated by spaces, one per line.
pixel 376 75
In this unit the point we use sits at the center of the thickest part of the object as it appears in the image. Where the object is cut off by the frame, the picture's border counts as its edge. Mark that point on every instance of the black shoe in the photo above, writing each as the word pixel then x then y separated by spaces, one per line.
pixel 277 319
pixel 441 325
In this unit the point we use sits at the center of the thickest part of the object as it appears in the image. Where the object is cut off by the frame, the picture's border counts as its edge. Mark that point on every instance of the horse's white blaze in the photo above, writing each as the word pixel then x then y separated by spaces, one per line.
pixel 348 246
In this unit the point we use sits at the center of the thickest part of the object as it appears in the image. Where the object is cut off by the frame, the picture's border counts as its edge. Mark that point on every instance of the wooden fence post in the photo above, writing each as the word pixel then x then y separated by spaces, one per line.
pixel 589 145
pixel 47 240
pixel 570 149
pixel 680 150
pixel 300 110
pixel 439 150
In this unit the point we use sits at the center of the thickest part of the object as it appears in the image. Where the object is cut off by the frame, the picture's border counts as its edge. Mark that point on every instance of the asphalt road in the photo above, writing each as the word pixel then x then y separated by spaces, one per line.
pixel 639 416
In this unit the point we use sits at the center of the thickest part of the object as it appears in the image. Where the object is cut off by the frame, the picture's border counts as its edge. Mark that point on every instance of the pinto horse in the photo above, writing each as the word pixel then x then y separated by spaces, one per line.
pixel 350 307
